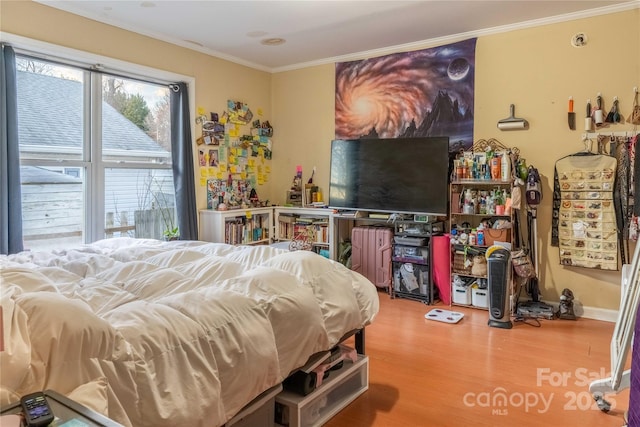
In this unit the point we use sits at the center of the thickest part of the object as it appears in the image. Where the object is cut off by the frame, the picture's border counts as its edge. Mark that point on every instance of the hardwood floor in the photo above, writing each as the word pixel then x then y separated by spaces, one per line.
pixel 427 373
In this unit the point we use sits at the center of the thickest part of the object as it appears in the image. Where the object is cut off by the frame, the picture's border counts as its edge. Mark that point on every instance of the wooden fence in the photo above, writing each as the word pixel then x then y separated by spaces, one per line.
pixel 153 223
pixel 148 224
pixel 54 232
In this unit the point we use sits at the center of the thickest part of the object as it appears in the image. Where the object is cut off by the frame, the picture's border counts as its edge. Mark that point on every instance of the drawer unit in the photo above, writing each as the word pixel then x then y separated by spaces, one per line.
pixel 411 279
pixel 336 392
pixel 259 412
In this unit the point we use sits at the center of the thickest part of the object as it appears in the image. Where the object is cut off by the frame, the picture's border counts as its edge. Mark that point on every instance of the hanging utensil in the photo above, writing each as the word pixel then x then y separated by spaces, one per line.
pixel 587 120
pixel 616 111
pixel 571 117
pixel 610 116
pixel 598 118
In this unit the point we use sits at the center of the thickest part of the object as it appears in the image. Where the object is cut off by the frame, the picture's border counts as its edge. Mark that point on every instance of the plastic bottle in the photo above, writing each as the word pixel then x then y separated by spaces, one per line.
pixel 505 164
pixel 483 206
pixel 523 171
pixel 495 167
pixel 480 236
pixel 454 236
pixel 468 196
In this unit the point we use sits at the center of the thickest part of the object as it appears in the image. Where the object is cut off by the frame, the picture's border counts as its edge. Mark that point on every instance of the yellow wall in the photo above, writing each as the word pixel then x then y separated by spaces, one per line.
pixel 217 80
pixel 536 69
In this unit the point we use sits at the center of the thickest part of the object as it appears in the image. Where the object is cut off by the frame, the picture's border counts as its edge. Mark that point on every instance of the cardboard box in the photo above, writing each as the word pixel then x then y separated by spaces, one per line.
pixel 455 202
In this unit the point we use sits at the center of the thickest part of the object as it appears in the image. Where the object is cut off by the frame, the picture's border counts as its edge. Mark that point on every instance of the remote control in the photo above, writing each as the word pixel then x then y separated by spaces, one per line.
pixel 37 412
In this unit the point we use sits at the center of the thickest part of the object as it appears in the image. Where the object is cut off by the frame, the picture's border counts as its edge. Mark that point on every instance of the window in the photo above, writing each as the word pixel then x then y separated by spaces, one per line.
pixel 95 155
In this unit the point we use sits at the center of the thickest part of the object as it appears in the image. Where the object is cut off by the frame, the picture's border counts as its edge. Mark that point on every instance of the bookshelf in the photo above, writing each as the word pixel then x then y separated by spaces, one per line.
pixel 237 227
pixel 313 225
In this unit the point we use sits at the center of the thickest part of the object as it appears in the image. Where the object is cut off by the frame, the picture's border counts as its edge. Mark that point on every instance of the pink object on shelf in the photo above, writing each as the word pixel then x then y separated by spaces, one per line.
pixel 441 251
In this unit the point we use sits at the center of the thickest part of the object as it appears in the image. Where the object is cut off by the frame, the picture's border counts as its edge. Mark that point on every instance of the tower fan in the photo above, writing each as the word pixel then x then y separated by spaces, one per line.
pixel 498 279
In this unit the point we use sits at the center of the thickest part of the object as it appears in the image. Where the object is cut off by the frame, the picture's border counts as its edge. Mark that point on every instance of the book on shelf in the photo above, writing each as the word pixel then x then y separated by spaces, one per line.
pixel 304 220
pixel 352 214
pixel 376 215
pixel 289 218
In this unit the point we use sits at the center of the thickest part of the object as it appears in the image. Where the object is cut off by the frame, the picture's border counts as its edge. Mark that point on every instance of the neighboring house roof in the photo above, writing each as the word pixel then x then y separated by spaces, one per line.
pixel 50 115
pixel 36 175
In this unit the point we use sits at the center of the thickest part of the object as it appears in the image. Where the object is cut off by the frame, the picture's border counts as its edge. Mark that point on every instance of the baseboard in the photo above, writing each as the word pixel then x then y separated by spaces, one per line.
pixel 596 313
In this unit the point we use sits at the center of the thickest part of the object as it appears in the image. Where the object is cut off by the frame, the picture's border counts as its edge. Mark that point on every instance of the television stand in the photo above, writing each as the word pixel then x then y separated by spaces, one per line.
pixel 409 268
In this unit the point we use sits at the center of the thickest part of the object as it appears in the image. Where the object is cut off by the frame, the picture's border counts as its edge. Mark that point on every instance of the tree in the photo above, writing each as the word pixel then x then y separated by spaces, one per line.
pixel 32 66
pixel 159 122
pixel 47 69
pixel 113 92
pixel 133 107
pixel 136 110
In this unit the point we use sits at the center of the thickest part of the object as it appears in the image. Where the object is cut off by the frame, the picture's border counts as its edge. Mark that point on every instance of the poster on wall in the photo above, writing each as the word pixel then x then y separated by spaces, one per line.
pixel 422 93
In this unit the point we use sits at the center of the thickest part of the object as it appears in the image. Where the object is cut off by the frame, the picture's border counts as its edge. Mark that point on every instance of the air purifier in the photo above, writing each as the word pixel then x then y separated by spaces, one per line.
pixel 498 279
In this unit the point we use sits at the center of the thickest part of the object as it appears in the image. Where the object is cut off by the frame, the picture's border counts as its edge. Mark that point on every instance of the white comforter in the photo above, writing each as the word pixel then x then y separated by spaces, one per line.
pixel 177 333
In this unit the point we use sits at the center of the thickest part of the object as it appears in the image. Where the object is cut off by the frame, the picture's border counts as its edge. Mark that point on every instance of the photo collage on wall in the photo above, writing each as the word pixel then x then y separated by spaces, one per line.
pixel 234 154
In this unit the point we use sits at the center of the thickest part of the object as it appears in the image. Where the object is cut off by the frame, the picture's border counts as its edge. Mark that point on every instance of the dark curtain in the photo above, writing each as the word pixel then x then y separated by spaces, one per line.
pixel 182 154
pixel 10 195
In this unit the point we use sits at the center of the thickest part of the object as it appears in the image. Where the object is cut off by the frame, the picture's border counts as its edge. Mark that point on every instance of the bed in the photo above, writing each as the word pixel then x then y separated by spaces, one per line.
pixel 171 333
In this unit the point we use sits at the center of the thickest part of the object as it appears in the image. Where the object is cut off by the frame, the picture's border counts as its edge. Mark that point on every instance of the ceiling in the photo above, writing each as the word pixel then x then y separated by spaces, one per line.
pixel 317 32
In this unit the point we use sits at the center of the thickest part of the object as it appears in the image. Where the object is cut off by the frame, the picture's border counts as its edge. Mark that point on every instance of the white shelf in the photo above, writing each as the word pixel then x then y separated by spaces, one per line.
pixel 323 215
pixel 213 224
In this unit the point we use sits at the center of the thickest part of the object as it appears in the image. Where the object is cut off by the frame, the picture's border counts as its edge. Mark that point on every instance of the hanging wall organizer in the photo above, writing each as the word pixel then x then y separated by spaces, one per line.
pixel 584 223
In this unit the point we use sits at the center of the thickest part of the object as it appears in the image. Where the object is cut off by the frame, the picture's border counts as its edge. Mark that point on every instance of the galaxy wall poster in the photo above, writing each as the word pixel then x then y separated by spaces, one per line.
pixel 422 93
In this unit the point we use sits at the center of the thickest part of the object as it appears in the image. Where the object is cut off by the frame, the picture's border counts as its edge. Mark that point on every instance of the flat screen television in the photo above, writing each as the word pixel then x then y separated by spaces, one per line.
pixel 395 175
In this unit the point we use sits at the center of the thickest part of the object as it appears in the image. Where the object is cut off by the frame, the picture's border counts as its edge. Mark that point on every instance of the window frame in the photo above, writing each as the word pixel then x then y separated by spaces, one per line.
pixel 95 66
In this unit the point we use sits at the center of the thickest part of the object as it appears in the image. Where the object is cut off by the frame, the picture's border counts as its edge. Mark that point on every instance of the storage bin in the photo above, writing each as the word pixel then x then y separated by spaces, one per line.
pixel 461 295
pixel 480 298
pixel 411 278
pixel 336 392
pixel 259 412
pixel 410 240
pixel 459 264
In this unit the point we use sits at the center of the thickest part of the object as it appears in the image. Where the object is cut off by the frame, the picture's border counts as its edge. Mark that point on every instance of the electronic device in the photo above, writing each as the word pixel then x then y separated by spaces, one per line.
pixel 36 410
pixel 396 175
pixel 498 278
pixel 294 198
